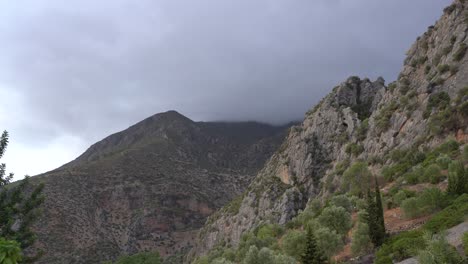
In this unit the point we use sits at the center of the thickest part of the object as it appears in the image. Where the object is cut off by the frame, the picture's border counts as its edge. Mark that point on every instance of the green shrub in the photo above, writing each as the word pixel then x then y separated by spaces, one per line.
pixel 336 218
pixel 438 251
pixel 354 149
pixel 465 242
pixel 439 100
pixel 432 174
pixel 342 201
pixel 465 153
pixel 362 129
pixel 457 178
pixel 252 256
pixel 356 179
pixel 293 243
pixel 328 241
pixel 402 195
pixel 443 68
pixel 390 173
pixel 460 53
pixel 401 246
pixel 222 261
pixel 269 230
pixel 360 242
pixel 10 251
pixel 140 258
pixel 427 69
pixel 408 243
pixel 382 119
pixel 411 177
pixel 234 206
pixel 450 216
pixel 451 147
pixel 443 161
pixel 428 201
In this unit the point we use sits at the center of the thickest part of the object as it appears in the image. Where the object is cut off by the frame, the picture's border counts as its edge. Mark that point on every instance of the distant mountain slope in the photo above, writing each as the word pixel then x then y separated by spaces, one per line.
pixel 149 187
pixel 358 120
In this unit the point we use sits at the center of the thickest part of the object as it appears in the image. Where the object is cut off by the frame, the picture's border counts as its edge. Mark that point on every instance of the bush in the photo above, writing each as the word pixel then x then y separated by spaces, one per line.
pixel 402 195
pixel 354 149
pixel 356 179
pixel 443 68
pixel 360 241
pixel 439 100
pixel 293 243
pixel 252 256
pixel 450 216
pixel 342 201
pixel 221 261
pixel 457 178
pixel 432 174
pixel 328 241
pixel 336 218
pixel 140 258
pixel 465 242
pixel 407 244
pixel 269 231
pixel 460 53
pixel 438 251
pixel 443 161
pixel 362 129
pixel 465 153
pixel 429 201
pixel 401 246
pixel 390 173
pixel 382 119
pixel 10 251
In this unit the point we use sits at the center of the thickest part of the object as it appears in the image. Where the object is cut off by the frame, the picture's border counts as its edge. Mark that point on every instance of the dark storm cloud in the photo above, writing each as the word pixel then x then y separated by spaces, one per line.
pixel 88 68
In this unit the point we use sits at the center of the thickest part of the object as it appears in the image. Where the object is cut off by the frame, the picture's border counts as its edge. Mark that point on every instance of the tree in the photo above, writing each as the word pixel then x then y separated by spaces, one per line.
pixel 356 179
pixel 456 178
pixel 375 216
pixel 336 218
pixel 360 242
pixel 19 206
pixel 294 243
pixel 328 241
pixel 312 254
pixel 380 220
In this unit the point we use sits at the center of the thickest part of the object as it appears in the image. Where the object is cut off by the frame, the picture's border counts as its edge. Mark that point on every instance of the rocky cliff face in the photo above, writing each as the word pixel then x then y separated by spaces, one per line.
pixel 149 187
pixel 358 120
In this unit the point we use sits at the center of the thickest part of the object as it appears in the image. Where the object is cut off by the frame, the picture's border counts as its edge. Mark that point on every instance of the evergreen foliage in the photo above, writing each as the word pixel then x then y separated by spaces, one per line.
pixel 19 206
pixel 375 216
pixel 312 254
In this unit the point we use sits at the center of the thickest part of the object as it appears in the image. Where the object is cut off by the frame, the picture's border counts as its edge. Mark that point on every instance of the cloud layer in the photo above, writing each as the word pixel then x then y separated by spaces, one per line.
pixel 82 69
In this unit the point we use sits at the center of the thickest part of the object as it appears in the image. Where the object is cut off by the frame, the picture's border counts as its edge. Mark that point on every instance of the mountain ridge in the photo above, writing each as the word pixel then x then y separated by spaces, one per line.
pixel 344 128
pixel 148 187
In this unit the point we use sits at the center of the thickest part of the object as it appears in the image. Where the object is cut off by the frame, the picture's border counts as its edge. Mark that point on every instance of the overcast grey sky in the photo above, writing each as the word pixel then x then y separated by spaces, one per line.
pixel 72 72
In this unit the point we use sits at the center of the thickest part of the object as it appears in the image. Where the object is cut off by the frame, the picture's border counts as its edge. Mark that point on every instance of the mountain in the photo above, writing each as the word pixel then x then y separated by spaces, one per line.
pixel 149 187
pixel 360 120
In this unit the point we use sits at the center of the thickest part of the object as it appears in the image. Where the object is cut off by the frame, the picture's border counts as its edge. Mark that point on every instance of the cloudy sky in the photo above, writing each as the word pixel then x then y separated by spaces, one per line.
pixel 72 72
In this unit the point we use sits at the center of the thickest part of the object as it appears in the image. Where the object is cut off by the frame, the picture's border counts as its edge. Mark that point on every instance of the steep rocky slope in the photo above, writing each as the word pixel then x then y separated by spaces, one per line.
pixel 149 187
pixel 358 120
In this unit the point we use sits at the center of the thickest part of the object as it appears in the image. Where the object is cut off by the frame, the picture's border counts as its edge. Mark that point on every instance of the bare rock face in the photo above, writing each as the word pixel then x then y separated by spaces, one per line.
pixel 358 120
pixel 149 187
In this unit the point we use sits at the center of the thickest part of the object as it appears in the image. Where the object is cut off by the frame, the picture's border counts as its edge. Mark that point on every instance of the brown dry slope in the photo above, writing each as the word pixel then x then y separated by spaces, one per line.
pixel 149 187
